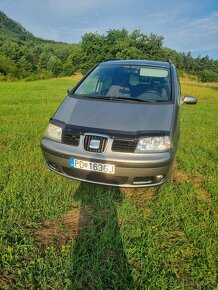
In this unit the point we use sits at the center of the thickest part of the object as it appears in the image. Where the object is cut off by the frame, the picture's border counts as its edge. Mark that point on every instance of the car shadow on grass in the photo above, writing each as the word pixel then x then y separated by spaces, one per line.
pixel 99 258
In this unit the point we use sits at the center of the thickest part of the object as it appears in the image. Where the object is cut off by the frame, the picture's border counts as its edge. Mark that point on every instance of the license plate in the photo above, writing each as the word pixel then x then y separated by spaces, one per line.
pixel 92 166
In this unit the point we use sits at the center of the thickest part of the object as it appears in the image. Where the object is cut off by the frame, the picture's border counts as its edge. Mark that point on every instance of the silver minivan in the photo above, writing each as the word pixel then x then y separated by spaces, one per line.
pixel 118 126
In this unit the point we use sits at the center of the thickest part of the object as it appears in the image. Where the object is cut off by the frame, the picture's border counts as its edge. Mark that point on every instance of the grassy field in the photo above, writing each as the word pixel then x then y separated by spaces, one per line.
pixel 62 234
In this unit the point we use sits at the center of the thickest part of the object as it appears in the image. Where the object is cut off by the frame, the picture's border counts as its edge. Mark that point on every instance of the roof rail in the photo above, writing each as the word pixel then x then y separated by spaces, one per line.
pixel 111 59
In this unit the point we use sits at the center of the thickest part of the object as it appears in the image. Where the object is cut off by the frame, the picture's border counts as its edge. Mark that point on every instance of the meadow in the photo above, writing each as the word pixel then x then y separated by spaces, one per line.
pixel 57 233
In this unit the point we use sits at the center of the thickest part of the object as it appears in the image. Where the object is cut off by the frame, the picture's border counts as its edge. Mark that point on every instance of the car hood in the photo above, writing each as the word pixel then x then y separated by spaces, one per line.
pixel 115 115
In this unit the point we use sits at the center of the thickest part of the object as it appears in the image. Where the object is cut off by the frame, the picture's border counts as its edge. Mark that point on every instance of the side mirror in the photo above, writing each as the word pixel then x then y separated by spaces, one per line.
pixel 189 100
pixel 69 90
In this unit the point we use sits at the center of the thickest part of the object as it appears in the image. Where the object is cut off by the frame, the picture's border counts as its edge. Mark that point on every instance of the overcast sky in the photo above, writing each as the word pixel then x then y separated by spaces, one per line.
pixel 187 25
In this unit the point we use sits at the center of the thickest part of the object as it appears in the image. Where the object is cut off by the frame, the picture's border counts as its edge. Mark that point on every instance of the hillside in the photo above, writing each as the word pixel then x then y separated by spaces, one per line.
pixel 24 56
pixel 8 27
pixel 13 29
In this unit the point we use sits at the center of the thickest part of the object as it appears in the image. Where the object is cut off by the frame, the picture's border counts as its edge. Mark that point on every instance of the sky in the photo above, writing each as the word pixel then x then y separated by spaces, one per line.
pixel 187 25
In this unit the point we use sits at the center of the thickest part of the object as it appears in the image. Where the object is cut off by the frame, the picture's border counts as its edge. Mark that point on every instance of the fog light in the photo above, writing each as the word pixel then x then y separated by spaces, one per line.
pixel 52 165
pixel 142 180
pixel 159 178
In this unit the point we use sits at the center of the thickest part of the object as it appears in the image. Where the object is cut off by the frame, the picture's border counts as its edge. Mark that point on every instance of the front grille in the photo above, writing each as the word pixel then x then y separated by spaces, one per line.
pixel 95 176
pixel 124 145
pixel 88 146
pixel 70 138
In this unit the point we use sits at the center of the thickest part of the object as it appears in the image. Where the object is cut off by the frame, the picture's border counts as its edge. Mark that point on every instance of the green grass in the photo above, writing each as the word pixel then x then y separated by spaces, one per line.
pixel 57 233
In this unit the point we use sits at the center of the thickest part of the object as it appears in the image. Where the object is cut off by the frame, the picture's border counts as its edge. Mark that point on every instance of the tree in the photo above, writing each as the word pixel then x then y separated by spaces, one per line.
pixel 7 66
pixel 209 76
pixel 119 44
pixel 93 50
pixel 55 66
pixel 73 63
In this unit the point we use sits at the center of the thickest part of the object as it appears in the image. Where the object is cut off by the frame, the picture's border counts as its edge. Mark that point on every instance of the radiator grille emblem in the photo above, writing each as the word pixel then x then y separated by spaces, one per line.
pixel 94 144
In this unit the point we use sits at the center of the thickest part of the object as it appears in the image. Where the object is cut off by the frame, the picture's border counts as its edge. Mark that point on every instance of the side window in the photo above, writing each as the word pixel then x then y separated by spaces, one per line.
pixel 89 85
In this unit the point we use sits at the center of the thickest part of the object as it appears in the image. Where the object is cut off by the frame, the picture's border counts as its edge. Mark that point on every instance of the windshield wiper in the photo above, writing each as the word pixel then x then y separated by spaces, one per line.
pixel 130 99
pixel 114 98
pixel 96 97
pixel 161 101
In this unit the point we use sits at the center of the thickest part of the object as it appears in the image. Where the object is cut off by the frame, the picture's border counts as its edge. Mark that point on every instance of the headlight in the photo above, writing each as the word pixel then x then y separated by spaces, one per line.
pixel 153 144
pixel 53 132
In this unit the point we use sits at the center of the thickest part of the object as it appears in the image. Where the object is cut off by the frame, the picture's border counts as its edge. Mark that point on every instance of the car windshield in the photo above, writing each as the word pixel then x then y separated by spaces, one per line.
pixel 127 82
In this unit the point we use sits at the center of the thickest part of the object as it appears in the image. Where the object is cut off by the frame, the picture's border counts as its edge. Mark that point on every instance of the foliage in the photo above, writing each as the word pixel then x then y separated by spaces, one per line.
pixel 209 76
pixel 7 66
pixel 23 56
pixel 119 44
pixel 12 28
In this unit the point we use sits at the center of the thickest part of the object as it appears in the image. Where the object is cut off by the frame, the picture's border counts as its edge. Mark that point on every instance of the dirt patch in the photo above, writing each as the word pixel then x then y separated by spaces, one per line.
pixel 197 181
pixel 203 194
pixel 70 222
pixel 179 176
pixel 7 281
pixel 58 232
pixel 140 195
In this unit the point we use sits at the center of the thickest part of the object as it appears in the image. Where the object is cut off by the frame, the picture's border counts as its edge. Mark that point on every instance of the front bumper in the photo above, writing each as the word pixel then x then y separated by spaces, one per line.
pixel 132 170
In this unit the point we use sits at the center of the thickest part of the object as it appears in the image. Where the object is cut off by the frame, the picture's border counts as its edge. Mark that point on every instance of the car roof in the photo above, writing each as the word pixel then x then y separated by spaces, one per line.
pixel 137 62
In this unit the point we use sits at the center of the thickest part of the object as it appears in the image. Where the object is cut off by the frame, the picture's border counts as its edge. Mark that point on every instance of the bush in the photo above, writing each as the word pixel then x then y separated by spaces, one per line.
pixel 2 78
pixel 209 76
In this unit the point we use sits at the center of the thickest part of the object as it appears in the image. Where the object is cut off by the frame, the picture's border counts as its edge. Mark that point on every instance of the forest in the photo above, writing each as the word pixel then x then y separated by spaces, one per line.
pixel 26 57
